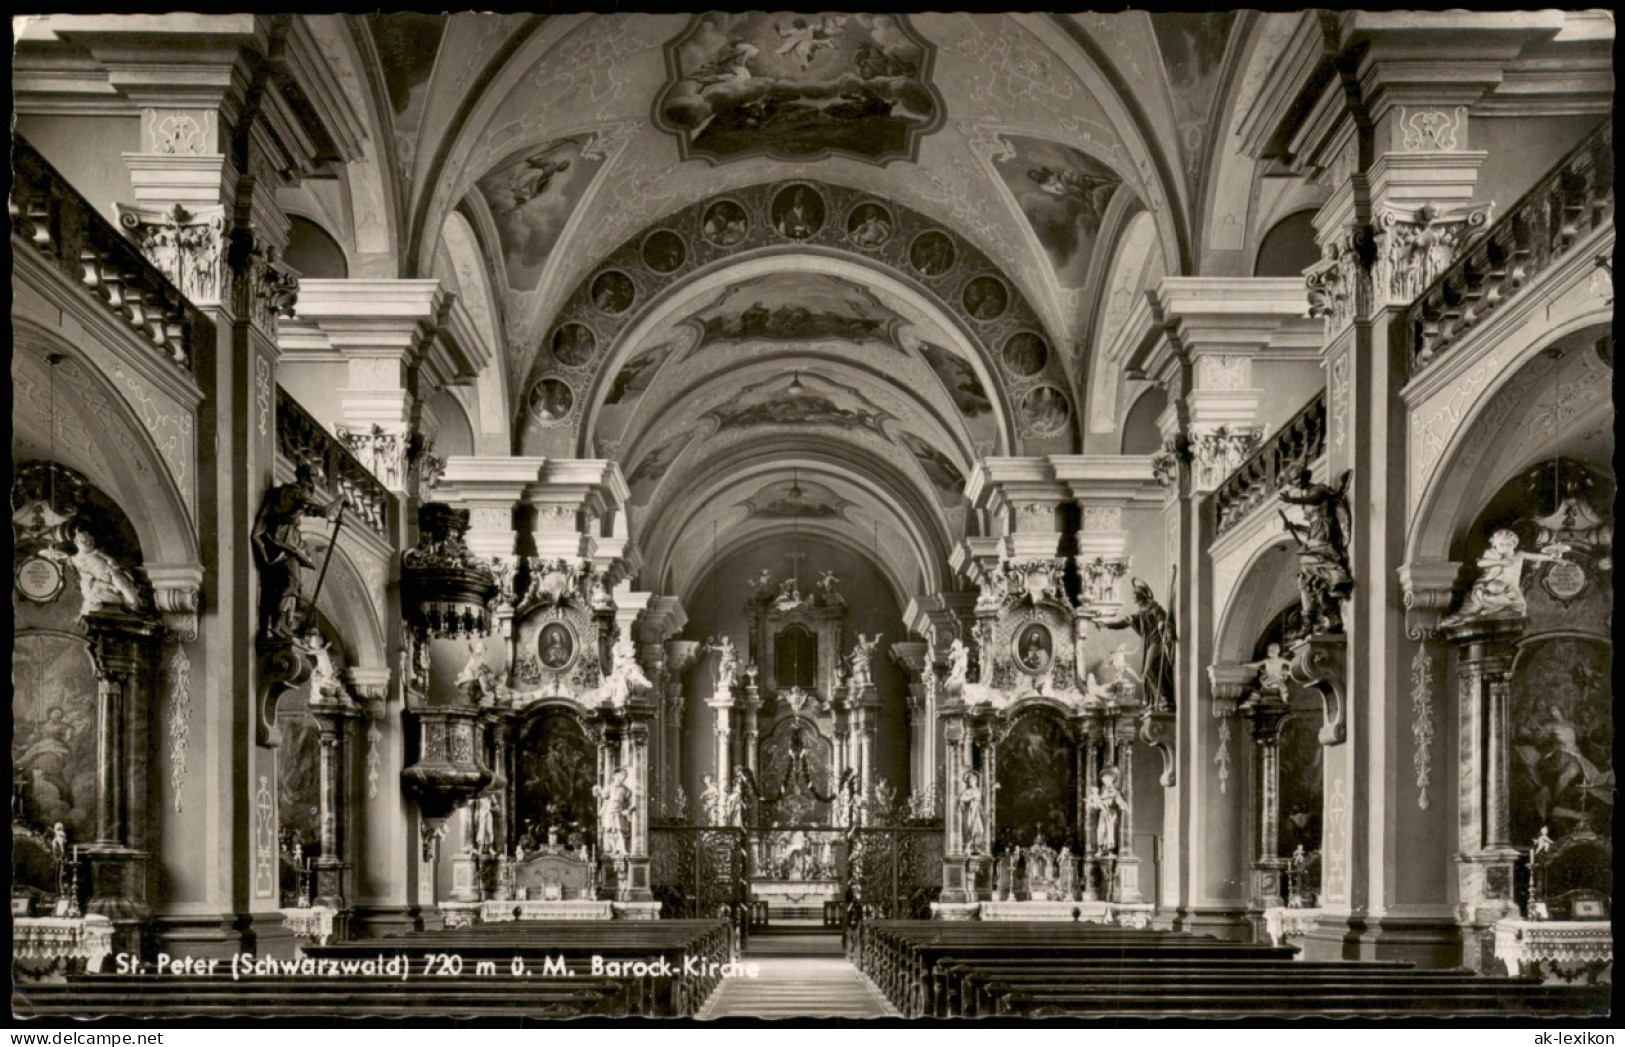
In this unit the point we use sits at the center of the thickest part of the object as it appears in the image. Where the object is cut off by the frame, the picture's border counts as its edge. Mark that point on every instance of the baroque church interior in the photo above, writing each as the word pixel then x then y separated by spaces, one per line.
pixel 1078 490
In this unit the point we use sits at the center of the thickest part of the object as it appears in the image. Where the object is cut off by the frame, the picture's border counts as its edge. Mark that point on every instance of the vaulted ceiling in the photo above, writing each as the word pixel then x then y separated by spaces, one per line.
pixel 838 256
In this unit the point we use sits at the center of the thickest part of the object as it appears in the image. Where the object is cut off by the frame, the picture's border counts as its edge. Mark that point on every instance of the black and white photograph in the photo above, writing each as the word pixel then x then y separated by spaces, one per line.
pixel 1088 523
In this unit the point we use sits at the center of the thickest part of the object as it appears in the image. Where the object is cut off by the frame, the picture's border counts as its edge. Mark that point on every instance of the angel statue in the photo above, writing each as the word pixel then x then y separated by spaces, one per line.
pixel 627 675
pixel 325 685
pixel 727 671
pixel 1273 671
pixel 104 583
pixel 827 581
pixel 1324 579
pixel 859 659
pixel 958 663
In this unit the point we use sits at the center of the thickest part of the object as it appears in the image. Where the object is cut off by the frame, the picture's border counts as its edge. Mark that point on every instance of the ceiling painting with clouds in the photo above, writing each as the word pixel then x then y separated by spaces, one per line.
pixel 1063 195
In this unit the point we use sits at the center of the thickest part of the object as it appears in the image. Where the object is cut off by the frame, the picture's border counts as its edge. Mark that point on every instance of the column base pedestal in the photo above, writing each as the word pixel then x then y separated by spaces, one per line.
pixel 332 886
pixel 465 877
pixel 967 878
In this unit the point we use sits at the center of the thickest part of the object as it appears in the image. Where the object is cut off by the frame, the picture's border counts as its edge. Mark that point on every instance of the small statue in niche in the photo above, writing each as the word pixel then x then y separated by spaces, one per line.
pixel 325 685
pixel 972 817
pixel 1324 577
pixel 727 671
pixel 477 682
pixel 713 805
pixel 1273 671
pixel 763 590
pixel 627 675
pixel 1108 800
pixel 615 805
pixel 1158 643
pixel 104 583
pixel 1498 590
pixel 279 548
pixel 484 827
pixel 860 659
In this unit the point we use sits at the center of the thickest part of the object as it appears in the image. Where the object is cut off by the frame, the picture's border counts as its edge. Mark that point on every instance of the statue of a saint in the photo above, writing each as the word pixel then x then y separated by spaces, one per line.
pixel 1066 872
pixel 615 803
pixel 279 548
pixel 727 671
pixel 484 834
pixel 1158 643
pixel 958 663
pixel 733 806
pixel 1273 671
pixel 860 659
pixel 763 590
pixel 713 804
pixel 626 676
pixel 827 581
pixel 1498 590
pixel 972 817
pixel 1324 577
pixel 1108 801
pixel 104 583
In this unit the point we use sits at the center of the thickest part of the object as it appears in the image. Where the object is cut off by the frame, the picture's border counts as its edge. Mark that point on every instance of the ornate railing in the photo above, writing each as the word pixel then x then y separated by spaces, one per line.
pixel 1297 443
pixel 96 256
pixel 1575 197
pixel 301 438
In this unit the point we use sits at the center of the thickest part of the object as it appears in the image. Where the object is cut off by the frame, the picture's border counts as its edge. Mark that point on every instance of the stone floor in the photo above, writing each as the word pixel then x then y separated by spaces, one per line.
pixel 802 976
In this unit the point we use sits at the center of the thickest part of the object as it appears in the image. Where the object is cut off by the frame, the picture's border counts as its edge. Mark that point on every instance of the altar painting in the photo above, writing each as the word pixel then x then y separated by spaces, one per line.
pixel 53 742
pixel 1037 788
pixel 1560 720
pixel 299 780
pixel 794 760
pixel 1302 782
pixel 557 767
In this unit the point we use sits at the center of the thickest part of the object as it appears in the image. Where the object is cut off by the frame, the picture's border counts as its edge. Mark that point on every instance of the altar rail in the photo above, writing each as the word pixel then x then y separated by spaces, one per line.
pixel 1298 442
pixel 1575 197
pixel 300 437
pixel 96 257
pixel 699 872
pixel 895 872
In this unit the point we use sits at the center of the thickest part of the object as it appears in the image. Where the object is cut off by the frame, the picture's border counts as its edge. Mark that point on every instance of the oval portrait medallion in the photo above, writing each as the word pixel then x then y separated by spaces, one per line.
pixel 550 401
pixel 664 251
pixel 573 344
pixel 798 212
pixel 556 646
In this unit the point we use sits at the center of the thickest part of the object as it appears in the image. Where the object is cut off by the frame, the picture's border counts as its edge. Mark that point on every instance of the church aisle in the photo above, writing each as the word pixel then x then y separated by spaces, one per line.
pixel 801 977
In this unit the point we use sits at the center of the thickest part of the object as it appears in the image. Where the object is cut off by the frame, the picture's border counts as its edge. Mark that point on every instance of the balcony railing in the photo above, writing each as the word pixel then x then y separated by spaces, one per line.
pixel 1297 443
pixel 1575 197
pixel 97 257
pixel 301 438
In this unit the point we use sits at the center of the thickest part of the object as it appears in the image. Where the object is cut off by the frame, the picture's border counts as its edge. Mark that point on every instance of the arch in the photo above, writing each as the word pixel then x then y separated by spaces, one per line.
pixel 128 464
pixel 313 252
pixel 1141 434
pixel 1266 582
pixel 348 604
pixel 466 250
pixel 1124 282
pixel 453 433
pixel 1289 247
pixel 1477 406
pixel 708 266
pixel 742 544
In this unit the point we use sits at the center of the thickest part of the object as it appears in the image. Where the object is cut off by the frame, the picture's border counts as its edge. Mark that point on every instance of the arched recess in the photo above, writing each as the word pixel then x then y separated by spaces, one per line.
pixel 1266 582
pixel 313 252
pixel 1288 247
pixel 1548 388
pixel 1141 434
pixel 97 434
pixel 347 603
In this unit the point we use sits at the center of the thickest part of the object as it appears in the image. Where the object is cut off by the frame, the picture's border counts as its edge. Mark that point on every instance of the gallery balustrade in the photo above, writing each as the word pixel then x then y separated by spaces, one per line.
pixel 1574 198
pixel 101 261
pixel 1299 441
pixel 301 438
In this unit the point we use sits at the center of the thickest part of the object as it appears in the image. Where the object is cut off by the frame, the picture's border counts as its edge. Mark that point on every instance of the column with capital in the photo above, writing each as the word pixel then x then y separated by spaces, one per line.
pixel 680 655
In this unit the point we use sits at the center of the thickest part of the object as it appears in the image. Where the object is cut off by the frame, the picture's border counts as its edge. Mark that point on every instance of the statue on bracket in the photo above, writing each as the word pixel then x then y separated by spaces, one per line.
pixel 1159 642
pixel 626 675
pixel 713 804
pixel 1108 801
pixel 827 581
pixel 859 660
pixel 1324 578
pixel 1498 590
pixel 104 583
pixel 279 548
pixel 615 804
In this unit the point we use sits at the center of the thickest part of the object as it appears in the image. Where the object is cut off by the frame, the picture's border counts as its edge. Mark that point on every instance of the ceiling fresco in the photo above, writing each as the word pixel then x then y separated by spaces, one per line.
pixel 795 500
pixel 1063 195
pixel 795 307
pixel 1192 46
pixel 532 198
pixel 798 87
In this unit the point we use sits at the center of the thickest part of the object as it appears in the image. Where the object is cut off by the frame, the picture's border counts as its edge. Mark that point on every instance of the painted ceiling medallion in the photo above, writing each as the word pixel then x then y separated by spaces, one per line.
pixel 799 87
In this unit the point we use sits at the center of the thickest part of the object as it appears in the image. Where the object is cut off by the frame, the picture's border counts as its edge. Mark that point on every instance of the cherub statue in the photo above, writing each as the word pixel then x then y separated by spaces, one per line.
pixel 789 595
pixel 1542 844
pixel 325 685
pixel 1094 690
pixel 1125 680
pixel 1273 671
pixel 1498 590
pixel 826 589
